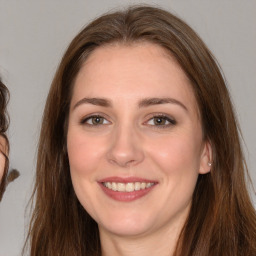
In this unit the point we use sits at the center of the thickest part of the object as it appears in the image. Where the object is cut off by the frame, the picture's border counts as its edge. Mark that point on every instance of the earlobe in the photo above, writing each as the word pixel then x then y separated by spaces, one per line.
pixel 206 158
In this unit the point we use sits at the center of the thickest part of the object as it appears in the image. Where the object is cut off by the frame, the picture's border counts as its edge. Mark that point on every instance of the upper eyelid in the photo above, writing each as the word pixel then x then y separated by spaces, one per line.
pixel 85 121
pixel 163 115
pixel 88 116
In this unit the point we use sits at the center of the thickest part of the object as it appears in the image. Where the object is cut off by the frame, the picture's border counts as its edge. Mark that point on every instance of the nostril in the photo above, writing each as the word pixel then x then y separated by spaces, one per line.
pixel 122 163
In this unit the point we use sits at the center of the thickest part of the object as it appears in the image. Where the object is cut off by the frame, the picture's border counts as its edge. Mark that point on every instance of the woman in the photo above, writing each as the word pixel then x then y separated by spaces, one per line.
pixel 4 144
pixel 139 150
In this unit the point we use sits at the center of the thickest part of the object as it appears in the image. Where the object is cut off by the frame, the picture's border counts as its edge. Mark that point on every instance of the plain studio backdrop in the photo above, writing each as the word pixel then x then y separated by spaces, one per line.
pixel 33 37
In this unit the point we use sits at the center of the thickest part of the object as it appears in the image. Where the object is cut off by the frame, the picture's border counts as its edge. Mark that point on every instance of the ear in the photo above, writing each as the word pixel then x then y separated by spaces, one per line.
pixel 206 158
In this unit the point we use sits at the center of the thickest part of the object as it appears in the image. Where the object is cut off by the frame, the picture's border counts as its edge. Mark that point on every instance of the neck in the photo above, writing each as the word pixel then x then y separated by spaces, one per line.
pixel 162 242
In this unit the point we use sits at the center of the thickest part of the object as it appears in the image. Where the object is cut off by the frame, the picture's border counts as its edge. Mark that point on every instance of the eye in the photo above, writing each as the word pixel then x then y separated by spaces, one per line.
pixel 95 120
pixel 161 121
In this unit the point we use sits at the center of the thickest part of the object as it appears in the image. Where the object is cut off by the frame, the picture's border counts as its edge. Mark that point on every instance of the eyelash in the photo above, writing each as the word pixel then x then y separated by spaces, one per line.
pixel 170 121
pixel 85 120
pixel 162 117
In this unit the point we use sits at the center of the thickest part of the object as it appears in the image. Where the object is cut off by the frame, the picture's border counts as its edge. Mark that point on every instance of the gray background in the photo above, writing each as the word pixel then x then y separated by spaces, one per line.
pixel 33 37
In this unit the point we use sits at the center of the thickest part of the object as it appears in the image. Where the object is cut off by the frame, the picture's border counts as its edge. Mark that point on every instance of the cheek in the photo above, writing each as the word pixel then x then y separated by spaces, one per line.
pixel 178 161
pixel 176 155
pixel 2 165
pixel 3 148
pixel 84 153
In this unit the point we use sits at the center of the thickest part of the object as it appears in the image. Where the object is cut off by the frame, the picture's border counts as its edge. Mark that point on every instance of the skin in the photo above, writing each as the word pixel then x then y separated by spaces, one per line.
pixel 3 149
pixel 130 143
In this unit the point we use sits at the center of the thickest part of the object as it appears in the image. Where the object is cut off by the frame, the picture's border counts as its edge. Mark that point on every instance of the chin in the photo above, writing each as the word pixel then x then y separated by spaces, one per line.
pixel 124 225
pixel 124 230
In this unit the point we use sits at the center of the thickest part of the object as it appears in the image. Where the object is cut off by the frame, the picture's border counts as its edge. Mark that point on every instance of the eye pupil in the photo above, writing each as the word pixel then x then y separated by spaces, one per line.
pixel 159 121
pixel 97 120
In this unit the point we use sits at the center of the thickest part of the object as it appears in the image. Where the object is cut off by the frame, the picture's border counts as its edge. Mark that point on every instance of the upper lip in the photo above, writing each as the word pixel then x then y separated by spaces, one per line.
pixel 126 179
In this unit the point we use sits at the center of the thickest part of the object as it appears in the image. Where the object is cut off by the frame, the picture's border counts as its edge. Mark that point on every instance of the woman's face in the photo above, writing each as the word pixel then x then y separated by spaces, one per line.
pixel 3 150
pixel 135 140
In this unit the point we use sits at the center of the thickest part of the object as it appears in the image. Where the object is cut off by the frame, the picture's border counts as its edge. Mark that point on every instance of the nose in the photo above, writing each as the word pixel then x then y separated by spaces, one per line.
pixel 125 148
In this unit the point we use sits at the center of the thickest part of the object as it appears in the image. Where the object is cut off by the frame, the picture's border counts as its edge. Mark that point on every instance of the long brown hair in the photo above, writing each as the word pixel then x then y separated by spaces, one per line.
pixel 221 221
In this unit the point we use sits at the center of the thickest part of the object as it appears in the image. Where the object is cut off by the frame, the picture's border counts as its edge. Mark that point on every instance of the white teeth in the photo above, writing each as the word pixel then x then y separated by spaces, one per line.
pixel 108 185
pixel 137 186
pixel 120 187
pixel 113 186
pixel 127 187
pixel 143 185
pixel 148 185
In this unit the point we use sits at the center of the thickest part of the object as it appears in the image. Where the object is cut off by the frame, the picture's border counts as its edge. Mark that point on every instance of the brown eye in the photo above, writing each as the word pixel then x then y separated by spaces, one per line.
pixel 161 121
pixel 95 120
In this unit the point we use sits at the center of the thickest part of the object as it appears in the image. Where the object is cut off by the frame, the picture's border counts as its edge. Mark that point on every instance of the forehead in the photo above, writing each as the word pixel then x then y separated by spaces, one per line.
pixel 134 71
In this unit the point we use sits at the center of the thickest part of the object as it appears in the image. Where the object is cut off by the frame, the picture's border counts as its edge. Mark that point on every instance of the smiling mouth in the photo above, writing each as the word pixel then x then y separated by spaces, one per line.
pixel 127 187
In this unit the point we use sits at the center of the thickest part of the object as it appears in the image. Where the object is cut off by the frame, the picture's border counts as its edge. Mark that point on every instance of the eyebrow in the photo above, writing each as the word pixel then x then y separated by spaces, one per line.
pixel 143 103
pixel 94 101
pixel 158 101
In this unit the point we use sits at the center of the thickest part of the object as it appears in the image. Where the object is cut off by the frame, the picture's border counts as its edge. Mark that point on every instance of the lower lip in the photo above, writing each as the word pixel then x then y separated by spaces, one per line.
pixel 126 196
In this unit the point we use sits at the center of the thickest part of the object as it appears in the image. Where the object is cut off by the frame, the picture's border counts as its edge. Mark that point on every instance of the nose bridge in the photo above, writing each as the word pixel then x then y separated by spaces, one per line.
pixel 125 147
